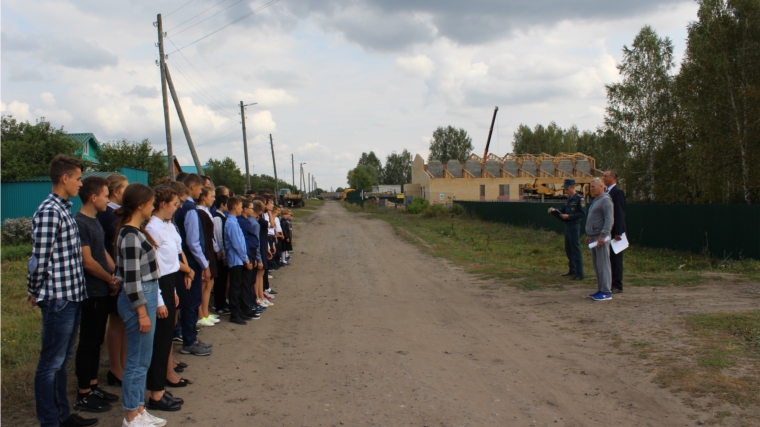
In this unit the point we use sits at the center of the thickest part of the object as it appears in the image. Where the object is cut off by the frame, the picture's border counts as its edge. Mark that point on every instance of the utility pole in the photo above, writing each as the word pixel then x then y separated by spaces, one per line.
pixel 182 121
pixel 301 180
pixel 245 146
pixel 293 166
pixel 162 64
pixel 274 163
pixel 308 191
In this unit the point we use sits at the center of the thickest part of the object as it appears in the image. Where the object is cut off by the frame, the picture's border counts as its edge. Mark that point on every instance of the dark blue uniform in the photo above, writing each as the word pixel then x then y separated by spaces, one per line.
pixel 576 209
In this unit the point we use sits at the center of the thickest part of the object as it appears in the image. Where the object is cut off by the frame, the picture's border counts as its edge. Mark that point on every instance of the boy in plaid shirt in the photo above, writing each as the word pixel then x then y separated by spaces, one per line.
pixel 56 284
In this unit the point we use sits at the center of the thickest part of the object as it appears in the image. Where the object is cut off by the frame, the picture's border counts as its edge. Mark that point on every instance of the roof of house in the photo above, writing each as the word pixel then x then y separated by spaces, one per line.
pixel 44 178
pixel 84 137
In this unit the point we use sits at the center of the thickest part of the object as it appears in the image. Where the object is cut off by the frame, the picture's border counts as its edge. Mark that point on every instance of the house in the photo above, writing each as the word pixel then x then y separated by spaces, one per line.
pixel 90 150
pixel 179 169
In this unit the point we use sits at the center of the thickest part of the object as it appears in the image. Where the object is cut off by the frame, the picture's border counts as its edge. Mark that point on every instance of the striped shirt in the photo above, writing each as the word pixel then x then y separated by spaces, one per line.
pixel 135 263
pixel 55 270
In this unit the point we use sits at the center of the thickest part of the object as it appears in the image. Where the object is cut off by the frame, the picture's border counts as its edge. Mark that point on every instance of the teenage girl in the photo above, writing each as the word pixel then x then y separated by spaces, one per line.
pixel 137 268
pixel 206 200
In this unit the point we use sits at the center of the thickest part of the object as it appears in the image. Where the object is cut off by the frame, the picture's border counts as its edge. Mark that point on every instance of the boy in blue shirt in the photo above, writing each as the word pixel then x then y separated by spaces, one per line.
pixel 238 261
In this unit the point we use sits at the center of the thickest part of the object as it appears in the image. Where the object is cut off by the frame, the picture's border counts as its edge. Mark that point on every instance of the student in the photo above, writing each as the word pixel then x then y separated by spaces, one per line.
pixel 269 217
pixel 279 236
pixel 168 247
pixel 236 253
pixel 207 181
pixel 287 231
pixel 193 242
pixel 252 244
pixel 56 284
pixel 116 336
pixel 222 281
pixel 203 202
pixel 137 268
pixel 261 302
pixel 220 191
pixel 100 284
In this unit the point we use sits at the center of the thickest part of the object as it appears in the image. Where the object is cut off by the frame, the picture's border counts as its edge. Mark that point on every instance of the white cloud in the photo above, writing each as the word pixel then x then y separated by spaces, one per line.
pixel 416 66
pixel 273 98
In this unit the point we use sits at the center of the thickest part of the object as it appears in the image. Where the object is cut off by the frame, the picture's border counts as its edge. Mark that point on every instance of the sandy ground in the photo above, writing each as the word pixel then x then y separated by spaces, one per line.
pixel 368 330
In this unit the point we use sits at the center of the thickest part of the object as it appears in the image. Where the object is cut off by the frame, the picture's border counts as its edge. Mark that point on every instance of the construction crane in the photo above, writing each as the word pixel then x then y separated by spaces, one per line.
pixel 488 143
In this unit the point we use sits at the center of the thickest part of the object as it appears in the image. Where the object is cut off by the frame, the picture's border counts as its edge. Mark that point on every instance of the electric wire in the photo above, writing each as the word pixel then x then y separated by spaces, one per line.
pixel 257 10
pixel 206 19
pixel 188 20
pixel 197 71
pixel 207 98
pixel 178 8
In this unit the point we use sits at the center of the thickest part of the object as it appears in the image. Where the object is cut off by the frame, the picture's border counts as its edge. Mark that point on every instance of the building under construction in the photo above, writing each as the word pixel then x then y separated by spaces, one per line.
pixel 513 177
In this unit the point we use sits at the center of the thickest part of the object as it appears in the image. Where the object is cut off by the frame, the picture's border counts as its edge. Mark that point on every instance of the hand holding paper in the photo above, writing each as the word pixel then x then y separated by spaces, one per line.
pixel 620 245
pixel 593 244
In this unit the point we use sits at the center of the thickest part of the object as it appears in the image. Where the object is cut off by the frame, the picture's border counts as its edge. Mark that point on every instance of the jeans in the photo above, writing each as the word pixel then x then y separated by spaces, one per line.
pixel 60 322
pixel 92 332
pixel 139 346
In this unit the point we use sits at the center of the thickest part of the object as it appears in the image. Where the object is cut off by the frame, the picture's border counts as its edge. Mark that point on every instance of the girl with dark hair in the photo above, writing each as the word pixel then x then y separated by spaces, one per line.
pixel 204 201
pixel 137 269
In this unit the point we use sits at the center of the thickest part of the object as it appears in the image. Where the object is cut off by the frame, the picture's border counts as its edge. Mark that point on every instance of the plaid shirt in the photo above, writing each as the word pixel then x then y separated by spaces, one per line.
pixel 55 269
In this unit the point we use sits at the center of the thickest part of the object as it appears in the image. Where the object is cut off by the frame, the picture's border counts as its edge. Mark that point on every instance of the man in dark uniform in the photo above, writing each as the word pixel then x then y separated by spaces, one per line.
pixel 618 228
pixel 572 213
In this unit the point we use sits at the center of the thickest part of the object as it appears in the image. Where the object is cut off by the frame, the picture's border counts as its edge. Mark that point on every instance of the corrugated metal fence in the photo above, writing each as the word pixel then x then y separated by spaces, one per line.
pixel 20 199
pixel 355 197
pixel 723 230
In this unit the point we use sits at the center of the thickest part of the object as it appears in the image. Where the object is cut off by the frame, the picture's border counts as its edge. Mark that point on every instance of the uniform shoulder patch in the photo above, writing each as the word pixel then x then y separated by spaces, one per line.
pixel 583 203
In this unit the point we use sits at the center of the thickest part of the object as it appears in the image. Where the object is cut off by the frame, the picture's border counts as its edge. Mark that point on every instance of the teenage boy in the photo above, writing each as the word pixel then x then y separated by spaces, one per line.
pixel 236 252
pixel 193 245
pixel 56 284
pixel 220 284
pixel 252 243
pixel 100 284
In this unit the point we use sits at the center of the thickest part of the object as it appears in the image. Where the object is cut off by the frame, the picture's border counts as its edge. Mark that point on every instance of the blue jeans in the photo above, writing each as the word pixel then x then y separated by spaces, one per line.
pixel 60 323
pixel 139 347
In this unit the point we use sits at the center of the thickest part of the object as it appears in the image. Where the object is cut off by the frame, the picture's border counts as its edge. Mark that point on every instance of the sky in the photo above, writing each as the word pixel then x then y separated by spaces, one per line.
pixel 330 78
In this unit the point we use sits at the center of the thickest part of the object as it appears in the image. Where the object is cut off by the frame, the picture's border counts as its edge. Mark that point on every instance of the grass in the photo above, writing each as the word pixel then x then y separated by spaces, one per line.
pixel 21 342
pixel 311 206
pixel 531 258
pixel 16 252
pixel 723 358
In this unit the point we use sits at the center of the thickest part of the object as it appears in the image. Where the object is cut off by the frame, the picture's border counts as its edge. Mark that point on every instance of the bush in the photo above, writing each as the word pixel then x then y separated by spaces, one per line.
pixel 418 205
pixel 16 253
pixel 17 231
pixel 435 211
pixel 457 210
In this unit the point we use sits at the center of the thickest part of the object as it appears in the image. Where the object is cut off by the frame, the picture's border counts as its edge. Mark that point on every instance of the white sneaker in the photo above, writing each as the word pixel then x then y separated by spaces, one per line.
pixel 213 319
pixel 263 302
pixel 206 322
pixel 268 294
pixel 137 422
pixel 270 276
pixel 152 420
pixel 212 316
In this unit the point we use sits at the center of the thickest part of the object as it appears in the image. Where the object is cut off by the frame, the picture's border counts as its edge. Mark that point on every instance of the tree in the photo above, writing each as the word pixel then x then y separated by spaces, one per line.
pixel 450 143
pixel 550 140
pixel 372 161
pixel 227 173
pixel 340 190
pixel 27 149
pixel 123 153
pixel 641 108
pixel 362 177
pixel 398 168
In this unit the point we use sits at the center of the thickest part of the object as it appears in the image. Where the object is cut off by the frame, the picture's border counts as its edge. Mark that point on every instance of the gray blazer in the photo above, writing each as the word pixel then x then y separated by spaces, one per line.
pixel 600 217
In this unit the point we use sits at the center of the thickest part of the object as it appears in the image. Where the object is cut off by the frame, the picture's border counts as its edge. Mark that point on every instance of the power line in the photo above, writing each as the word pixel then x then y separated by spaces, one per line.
pixel 205 96
pixel 259 9
pixel 206 19
pixel 226 99
pixel 179 8
pixel 188 20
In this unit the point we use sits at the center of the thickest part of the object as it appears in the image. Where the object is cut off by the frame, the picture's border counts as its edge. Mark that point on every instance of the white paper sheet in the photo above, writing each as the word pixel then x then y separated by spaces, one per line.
pixel 620 245
pixel 592 245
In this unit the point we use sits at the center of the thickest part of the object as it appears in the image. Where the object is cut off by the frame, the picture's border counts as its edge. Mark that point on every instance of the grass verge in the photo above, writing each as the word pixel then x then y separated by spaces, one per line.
pixel 311 206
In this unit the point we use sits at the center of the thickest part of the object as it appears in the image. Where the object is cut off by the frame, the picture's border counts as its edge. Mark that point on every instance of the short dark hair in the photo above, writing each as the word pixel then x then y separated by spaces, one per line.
pixel 63 165
pixel 264 191
pixel 92 185
pixel 613 173
pixel 233 201
pixel 247 203
pixel 220 190
pixel 221 200
pixel 193 178
pixel 181 176
pixel 261 199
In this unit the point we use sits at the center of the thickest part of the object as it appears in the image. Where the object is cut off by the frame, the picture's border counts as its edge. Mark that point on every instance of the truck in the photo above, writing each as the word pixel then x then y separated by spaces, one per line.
pixel 286 198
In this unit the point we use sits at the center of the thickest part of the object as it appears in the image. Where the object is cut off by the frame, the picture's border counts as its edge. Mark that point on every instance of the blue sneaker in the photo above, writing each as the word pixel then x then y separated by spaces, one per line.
pixel 602 297
pixel 595 294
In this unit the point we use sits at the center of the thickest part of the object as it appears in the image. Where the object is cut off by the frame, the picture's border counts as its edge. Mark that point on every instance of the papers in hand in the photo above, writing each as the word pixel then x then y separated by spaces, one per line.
pixel 593 244
pixel 620 245
pixel 557 214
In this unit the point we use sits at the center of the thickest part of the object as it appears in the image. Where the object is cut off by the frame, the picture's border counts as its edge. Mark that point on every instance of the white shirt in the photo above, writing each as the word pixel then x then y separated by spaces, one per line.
pixel 610 188
pixel 169 247
pixel 211 217
pixel 270 230
pixel 277 226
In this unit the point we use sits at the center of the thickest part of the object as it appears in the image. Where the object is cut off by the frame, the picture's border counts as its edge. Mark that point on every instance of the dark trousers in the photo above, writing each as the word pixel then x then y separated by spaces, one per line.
pixel 616 262
pixel 162 339
pixel 237 282
pixel 220 285
pixel 249 296
pixel 573 248
pixel 189 301
pixel 92 332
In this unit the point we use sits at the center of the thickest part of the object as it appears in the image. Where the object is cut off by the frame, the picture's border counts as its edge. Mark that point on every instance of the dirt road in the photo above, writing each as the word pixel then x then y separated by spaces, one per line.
pixel 370 331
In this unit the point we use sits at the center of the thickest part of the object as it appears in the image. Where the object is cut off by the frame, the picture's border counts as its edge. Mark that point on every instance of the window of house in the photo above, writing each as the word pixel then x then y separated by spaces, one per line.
pixel 86 148
pixel 482 191
pixel 504 190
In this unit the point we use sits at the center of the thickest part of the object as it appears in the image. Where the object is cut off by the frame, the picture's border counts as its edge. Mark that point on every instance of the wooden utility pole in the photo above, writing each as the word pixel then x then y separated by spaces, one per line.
pixel 293 166
pixel 182 121
pixel 274 164
pixel 308 193
pixel 245 148
pixel 162 64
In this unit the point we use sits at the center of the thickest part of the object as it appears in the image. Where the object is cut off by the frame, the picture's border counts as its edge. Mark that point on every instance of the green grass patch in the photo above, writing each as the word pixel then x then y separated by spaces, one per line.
pixel 15 252
pixel 311 206
pixel 530 258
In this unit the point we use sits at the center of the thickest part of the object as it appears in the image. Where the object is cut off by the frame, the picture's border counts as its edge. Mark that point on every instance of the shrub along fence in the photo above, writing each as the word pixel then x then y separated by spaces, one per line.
pixel 721 230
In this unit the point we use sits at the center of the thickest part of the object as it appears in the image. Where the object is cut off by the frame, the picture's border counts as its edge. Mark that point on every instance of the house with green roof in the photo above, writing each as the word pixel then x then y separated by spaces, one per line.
pixel 90 149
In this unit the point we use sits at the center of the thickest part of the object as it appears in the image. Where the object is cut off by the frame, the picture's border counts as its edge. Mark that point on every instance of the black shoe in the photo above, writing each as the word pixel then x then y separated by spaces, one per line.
pixel 103 395
pixel 176 399
pixel 182 365
pixel 238 321
pixel 569 273
pixel 165 404
pixel 112 380
pixel 179 369
pixel 75 420
pixel 270 291
pixel 223 312
pixel 577 278
pixel 243 316
pixel 91 404
pixel 617 290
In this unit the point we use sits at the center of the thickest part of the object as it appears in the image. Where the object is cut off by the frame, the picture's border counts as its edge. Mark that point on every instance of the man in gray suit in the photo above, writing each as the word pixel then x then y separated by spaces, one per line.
pixel 598 229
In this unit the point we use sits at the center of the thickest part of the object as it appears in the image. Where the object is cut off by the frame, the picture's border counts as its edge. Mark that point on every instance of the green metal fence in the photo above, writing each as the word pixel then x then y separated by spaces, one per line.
pixel 355 197
pixel 722 230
